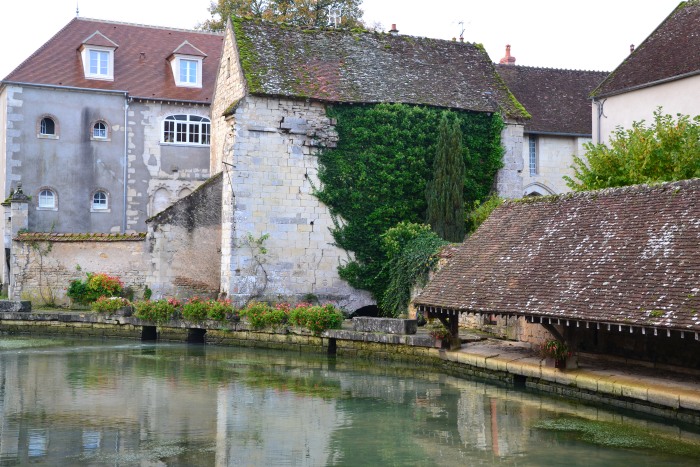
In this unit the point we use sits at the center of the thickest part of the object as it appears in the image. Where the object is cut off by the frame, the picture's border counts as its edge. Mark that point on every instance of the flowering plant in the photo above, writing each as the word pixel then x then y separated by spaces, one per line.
pixel 555 349
pixel 109 304
pixel 437 330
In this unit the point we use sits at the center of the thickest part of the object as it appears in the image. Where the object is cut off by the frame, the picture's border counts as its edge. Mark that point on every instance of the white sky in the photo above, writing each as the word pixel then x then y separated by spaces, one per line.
pixel 587 35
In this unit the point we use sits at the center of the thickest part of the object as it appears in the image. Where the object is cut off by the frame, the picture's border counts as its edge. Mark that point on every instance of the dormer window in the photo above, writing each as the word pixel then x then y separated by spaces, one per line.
pixel 97 53
pixel 186 62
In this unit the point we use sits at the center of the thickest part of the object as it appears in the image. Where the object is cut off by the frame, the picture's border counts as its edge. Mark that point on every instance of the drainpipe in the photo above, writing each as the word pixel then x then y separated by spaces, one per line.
pixel 126 157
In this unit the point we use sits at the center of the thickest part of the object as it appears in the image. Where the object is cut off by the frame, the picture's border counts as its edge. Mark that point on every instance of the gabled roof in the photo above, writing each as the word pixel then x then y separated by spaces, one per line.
pixel 628 256
pixel 188 49
pixel 140 62
pixel 558 100
pixel 99 39
pixel 336 65
pixel 671 52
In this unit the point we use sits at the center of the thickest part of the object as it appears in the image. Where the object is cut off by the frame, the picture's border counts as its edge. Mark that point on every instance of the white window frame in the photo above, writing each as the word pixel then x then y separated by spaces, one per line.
pixel 101 134
pixel 99 206
pixel 43 197
pixel 186 130
pixel 532 155
pixel 106 73
pixel 181 69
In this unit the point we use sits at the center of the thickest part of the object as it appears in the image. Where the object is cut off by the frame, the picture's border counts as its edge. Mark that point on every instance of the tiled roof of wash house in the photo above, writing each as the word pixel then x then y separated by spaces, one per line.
pixel 558 100
pixel 336 65
pixel 671 52
pixel 627 256
pixel 141 59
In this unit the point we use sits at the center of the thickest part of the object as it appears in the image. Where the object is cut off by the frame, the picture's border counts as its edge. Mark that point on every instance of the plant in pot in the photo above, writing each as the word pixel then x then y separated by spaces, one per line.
pixel 438 332
pixel 556 350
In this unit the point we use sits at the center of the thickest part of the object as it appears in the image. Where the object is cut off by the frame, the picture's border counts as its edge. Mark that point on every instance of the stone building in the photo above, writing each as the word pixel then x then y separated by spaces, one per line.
pixel 613 272
pixel 559 103
pixel 269 121
pixel 106 125
pixel 663 71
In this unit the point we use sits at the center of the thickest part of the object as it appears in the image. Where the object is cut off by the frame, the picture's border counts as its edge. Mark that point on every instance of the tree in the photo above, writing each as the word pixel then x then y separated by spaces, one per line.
pixel 668 150
pixel 445 193
pixel 305 13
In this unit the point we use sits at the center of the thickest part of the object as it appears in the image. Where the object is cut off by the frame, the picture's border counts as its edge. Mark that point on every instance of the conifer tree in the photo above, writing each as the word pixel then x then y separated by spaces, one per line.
pixel 445 193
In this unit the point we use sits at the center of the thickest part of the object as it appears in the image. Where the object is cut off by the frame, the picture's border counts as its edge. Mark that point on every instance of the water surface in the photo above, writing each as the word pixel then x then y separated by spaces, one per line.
pixel 107 402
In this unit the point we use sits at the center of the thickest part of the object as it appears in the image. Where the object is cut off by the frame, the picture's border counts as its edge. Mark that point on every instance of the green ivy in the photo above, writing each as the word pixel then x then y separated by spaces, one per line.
pixel 377 175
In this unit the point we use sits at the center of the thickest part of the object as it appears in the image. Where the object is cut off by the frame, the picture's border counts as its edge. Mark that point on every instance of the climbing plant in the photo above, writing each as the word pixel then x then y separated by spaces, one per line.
pixel 377 175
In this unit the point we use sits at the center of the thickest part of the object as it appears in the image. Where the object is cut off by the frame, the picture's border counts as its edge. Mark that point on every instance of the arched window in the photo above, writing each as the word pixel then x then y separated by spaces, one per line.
pixel 100 201
pixel 186 129
pixel 161 200
pixel 99 130
pixel 47 199
pixel 47 127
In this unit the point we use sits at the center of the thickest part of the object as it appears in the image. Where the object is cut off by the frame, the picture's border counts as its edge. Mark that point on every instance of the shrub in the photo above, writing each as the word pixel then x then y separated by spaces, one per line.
pixel 555 349
pixel 437 330
pixel 317 318
pixel 197 309
pixel 95 286
pixel 157 310
pixel 261 315
pixel 109 304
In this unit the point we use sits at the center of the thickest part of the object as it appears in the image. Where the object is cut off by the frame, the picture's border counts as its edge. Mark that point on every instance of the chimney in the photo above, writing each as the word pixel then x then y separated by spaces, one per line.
pixel 631 48
pixel 508 59
pixel 393 30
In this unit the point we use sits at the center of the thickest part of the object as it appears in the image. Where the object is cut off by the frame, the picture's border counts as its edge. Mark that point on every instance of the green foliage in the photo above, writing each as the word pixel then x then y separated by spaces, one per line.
pixel 147 293
pixel 303 13
pixel 197 309
pixel 555 349
pixel 445 192
pixel 437 330
pixel 261 315
pixel 93 287
pixel 377 175
pixel 316 318
pixel 668 150
pixel 109 304
pixel 480 211
pixel 158 311
pixel 408 264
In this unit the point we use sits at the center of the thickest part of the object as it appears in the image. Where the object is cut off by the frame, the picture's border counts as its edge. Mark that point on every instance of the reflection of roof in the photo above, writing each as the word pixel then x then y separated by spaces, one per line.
pixel 626 256
pixel 336 65
pixel 557 100
pixel 140 60
pixel 672 51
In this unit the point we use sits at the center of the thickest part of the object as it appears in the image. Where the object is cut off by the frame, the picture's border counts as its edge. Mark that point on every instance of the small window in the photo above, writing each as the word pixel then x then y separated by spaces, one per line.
pixel 187 129
pixel 47 199
pixel 99 201
pixel 533 154
pixel 99 130
pixel 47 127
pixel 99 62
pixel 188 71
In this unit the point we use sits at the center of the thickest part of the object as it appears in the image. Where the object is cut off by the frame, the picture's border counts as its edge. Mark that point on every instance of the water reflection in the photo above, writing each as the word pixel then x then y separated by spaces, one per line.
pixel 99 403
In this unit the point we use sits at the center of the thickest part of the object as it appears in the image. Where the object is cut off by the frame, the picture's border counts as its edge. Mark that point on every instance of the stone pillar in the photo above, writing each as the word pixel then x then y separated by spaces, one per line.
pixel 509 181
pixel 18 221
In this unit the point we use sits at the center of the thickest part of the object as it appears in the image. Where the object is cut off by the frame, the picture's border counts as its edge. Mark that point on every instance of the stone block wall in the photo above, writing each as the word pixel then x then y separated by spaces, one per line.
pixel 270 193
pixel 184 245
pixel 509 181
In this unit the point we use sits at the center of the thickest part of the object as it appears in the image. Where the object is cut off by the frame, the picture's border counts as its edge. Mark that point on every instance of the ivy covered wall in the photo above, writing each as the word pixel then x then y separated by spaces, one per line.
pixel 376 177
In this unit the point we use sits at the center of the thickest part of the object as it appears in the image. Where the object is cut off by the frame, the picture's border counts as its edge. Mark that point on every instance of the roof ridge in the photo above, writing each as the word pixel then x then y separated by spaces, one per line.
pixel 150 26
pixel 502 65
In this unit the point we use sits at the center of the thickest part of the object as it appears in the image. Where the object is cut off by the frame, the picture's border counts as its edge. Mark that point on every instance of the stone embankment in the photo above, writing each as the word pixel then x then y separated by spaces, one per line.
pixel 670 393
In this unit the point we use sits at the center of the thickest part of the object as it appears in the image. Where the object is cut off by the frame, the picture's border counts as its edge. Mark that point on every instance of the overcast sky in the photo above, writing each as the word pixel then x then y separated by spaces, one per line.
pixel 587 35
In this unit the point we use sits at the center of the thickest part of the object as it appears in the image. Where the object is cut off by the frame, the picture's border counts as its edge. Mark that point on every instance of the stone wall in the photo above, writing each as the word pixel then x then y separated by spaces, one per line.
pixel 509 181
pixel 184 243
pixel 555 155
pixel 270 192
pixel 42 271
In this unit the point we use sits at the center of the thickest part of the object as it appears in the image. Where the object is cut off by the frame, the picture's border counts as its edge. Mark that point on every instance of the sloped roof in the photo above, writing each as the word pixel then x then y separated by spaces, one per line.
pixel 672 51
pixel 337 65
pixel 140 62
pixel 557 100
pixel 628 256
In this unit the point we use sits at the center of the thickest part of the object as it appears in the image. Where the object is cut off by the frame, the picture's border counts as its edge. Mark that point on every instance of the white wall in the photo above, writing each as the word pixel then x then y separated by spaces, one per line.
pixel 681 96
pixel 555 154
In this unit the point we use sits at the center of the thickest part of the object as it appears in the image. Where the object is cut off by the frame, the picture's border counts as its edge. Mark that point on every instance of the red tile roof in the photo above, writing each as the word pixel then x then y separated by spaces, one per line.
pixel 670 52
pixel 628 256
pixel 558 100
pixel 140 61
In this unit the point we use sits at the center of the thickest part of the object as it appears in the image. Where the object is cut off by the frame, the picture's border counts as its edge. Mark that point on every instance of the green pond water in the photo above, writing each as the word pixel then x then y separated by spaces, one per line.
pixel 122 403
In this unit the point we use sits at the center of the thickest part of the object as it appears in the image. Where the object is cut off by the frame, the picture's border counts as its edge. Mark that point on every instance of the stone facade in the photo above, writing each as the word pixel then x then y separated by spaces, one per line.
pixel 554 157
pixel 270 193
pixel 509 181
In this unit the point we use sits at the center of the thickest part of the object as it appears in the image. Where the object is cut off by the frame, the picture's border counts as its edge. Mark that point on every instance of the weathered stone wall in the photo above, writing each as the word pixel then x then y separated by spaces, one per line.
pixel 41 271
pixel 509 181
pixel 184 243
pixel 555 155
pixel 270 192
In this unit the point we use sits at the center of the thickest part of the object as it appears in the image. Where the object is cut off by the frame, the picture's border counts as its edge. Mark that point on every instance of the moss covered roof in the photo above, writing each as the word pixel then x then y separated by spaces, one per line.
pixel 357 66
pixel 626 256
